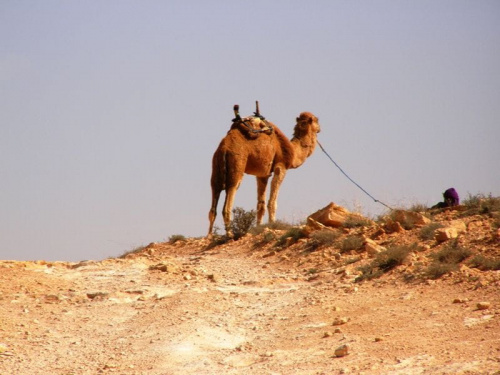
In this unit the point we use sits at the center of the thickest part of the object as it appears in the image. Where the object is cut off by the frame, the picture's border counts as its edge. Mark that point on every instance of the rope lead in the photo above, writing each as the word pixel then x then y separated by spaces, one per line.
pixel 350 179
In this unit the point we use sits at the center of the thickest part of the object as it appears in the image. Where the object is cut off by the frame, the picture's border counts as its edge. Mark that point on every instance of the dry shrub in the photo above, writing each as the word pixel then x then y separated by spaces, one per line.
pixel 485 263
pixel 135 250
pixel 447 260
pixel 276 225
pixel 323 238
pixel 176 238
pixel 351 243
pixel 385 261
pixel 295 233
pixel 356 221
pixel 428 231
pixel 266 238
pixel 481 204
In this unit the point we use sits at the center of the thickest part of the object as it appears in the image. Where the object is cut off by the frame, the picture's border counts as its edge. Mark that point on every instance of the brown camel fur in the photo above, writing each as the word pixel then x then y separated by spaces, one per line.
pixel 262 154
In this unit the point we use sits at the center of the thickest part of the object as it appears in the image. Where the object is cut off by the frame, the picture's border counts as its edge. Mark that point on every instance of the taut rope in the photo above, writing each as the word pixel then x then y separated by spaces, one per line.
pixel 350 179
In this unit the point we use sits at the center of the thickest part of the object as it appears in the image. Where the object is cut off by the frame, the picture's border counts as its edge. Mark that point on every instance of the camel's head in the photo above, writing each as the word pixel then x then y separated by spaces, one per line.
pixel 306 123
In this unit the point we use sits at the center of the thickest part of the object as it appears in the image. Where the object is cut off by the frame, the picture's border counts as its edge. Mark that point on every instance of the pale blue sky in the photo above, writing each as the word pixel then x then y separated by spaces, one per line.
pixel 110 111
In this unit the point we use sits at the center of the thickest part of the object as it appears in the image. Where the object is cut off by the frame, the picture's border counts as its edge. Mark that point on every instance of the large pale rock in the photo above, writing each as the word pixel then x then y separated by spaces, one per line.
pixel 372 248
pixel 331 215
pixel 452 231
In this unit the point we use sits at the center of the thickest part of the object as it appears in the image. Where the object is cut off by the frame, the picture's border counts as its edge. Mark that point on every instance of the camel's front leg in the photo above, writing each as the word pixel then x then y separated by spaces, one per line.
pixel 279 175
pixel 261 198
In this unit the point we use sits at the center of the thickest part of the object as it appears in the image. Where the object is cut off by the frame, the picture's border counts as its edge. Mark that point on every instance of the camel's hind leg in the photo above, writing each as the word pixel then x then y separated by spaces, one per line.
pixel 228 207
pixel 261 198
pixel 279 176
pixel 212 214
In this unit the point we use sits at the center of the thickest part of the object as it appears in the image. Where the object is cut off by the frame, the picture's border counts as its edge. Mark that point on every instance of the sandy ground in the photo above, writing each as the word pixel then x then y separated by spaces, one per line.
pixel 232 309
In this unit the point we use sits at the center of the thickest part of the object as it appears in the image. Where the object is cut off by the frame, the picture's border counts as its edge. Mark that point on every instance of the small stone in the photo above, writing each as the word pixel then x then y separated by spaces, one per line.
pixel 165 267
pixel 460 300
pixel 51 298
pixel 95 295
pixel 483 305
pixel 378 339
pixel 342 351
pixel 213 278
pixel 340 321
pixel 327 334
pixel 187 276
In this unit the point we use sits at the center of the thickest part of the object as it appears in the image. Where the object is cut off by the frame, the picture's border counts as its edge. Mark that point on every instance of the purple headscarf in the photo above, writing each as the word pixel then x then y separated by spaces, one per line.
pixel 451 197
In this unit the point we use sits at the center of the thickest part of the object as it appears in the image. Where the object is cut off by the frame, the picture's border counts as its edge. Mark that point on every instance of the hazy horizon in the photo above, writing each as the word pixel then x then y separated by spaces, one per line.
pixel 110 111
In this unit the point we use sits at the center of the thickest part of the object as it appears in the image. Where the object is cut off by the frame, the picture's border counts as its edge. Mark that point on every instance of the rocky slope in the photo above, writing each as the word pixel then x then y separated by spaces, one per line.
pixel 363 298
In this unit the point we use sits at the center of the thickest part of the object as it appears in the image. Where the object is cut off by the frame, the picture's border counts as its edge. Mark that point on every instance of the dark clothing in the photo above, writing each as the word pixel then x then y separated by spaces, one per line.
pixel 450 199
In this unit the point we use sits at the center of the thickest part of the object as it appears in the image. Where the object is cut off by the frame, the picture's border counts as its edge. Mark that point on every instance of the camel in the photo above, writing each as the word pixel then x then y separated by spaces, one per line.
pixel 257 147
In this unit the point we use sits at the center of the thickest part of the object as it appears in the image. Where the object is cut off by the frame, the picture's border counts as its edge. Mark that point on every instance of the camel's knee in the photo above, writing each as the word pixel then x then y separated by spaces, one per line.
pixel 261 211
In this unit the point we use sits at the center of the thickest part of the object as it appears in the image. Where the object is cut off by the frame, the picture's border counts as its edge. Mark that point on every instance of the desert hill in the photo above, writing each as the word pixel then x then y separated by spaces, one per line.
pixel 413 293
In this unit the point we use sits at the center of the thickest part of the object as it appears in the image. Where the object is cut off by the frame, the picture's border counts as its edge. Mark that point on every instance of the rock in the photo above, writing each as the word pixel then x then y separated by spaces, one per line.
pixel 372 248
pixel 333 216
pixel 95 295
pixel 340 321
pixel 52 298
pixel 393 227
pixel 165 267
pixel 452 231
pixel 483 305
pixel 445 234
pixel 342 351
pixel 379 233
pixel 327 334
pixel 460 300
pixel 410 218
pixel 213 278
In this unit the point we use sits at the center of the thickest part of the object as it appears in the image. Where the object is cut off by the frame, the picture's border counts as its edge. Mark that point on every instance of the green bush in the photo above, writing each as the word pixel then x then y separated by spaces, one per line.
pixel 242 222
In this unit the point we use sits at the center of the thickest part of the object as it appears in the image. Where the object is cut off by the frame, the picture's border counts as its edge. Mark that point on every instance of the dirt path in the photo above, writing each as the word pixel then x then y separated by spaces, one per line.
pixel 228 311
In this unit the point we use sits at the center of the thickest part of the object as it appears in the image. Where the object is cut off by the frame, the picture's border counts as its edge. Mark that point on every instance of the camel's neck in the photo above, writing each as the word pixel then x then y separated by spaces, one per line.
pixel 303 148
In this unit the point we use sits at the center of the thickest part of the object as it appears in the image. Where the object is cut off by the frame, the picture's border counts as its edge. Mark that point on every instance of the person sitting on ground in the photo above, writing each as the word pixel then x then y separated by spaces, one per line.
pixel 451 199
